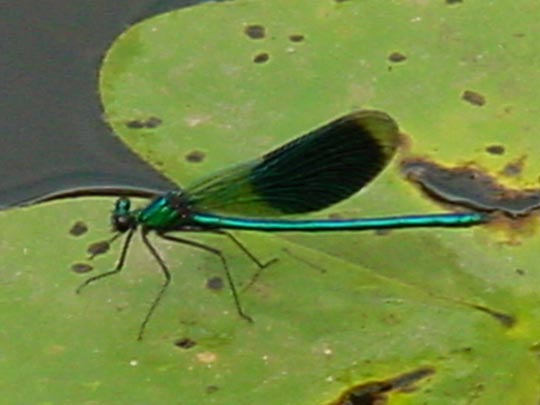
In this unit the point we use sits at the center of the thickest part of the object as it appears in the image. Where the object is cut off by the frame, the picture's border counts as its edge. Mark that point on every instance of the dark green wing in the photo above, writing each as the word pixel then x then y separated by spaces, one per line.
pixel 310 173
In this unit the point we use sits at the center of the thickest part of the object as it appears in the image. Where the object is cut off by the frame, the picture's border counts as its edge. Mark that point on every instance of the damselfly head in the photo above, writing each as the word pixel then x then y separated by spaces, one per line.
pixel 122 219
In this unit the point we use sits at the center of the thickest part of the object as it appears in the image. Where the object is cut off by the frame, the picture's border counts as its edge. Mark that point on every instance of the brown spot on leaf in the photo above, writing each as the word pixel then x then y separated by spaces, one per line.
pixel 255 31
pixel 81 268
pixel 195 156
pixel 377 392
pixel 98 248
pixel 214 283
pixel 495 149
pixel 149 123
pixel 185 343
pixel 473 98
pixel 79 228
pixel 515 168
pixel 469 186
pixel 397 57
pixel 296 37
pixel 261 57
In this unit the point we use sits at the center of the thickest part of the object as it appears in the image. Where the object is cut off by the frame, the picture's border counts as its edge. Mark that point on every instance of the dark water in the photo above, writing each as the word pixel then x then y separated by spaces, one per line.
pixel 52 136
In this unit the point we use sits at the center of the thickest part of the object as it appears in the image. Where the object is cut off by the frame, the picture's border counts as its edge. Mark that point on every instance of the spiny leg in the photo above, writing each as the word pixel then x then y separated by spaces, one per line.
pixel 117 268
pixel 244 249
pixel 166 274
pixel 224 263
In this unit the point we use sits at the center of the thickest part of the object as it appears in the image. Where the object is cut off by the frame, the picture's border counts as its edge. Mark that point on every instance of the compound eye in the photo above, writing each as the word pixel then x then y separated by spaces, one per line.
pixel 122 205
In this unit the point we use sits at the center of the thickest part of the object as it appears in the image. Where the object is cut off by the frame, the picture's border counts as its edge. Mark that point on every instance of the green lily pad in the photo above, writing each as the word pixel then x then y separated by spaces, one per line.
pixel 440 316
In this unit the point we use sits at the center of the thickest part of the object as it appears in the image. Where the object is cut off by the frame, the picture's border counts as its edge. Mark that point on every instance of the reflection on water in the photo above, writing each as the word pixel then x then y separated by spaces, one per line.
pixel 53 137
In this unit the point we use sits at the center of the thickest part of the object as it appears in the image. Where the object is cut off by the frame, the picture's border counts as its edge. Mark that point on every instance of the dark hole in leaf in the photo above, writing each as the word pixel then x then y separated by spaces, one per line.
pixel 214 283
pixel 185 343
pixel 473 98
pixel 81 268
pixel 495 149
pixel 98 248
pixel 195 156
pixel 261 57
pixel 255 31
pixel 397 57
pixel 151 122
pixel 296 37
pixel 79 228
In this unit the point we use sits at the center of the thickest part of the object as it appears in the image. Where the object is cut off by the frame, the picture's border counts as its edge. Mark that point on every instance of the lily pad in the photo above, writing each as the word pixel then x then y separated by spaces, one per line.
pixel 418 316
